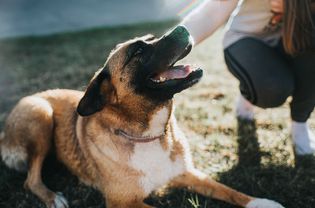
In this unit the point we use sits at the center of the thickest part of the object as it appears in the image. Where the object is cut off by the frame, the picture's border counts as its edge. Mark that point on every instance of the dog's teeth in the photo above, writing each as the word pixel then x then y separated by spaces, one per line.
pixel 154 80
pixel 162 79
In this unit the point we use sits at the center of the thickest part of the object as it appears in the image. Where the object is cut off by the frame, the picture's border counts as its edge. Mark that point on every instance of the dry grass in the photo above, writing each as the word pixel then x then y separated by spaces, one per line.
pixel 254 157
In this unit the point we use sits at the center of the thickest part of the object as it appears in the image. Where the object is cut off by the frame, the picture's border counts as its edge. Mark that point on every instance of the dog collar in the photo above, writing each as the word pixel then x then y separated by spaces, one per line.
pixel 137 139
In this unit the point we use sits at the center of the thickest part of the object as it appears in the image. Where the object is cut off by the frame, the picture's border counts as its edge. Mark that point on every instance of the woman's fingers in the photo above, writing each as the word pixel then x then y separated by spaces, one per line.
pixel 276 6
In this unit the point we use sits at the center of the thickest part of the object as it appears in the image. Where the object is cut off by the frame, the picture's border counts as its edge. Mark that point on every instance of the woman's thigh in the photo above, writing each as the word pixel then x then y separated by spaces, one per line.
pixel 264 73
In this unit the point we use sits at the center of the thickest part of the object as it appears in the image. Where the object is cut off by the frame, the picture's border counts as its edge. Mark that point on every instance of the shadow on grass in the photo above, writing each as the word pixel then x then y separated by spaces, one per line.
pixel 248 146
pixel 291 186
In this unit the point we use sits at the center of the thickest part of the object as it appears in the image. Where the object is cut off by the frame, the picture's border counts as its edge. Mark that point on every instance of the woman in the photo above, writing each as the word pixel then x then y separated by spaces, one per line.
pixel 269 48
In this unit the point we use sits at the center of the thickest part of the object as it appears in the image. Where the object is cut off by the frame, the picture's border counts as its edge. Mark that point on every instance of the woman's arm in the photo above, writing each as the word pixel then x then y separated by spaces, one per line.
pixel 208 17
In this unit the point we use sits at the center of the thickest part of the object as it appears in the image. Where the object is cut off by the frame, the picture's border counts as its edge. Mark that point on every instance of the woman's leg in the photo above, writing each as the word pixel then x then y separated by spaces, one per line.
pixel 304 93
pixel 303 102
pixel 244 109
pixel 265 78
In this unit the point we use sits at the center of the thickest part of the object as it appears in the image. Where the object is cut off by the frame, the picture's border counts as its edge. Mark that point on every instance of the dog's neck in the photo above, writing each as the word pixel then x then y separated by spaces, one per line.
pixel 137 139
pixel 135 122
pixel 145 126
pixel 158 121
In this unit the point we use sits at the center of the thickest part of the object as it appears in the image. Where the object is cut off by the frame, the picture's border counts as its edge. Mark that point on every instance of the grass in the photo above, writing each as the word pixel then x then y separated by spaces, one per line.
pixel 254 157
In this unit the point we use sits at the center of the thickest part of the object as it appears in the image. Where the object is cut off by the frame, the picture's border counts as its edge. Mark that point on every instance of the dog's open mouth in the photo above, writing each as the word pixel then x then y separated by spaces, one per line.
pixel 176 74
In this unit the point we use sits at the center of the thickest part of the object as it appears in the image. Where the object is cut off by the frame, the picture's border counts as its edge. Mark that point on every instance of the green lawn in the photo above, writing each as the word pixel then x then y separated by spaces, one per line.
pixel 254 157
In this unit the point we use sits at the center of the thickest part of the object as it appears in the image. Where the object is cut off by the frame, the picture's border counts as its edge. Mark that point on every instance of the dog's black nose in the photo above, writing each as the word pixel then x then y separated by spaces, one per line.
pixel 179 33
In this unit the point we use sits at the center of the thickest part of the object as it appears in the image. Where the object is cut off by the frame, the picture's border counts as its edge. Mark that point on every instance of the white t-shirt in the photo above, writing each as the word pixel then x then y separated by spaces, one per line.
pixel 252 18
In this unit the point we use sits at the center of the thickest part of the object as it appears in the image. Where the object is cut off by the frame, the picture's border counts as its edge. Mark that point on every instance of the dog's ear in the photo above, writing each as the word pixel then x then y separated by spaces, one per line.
pixel 95 96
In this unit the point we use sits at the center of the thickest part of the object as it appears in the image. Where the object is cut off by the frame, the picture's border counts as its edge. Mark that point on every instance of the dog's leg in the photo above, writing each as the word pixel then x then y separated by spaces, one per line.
pixel 201 183
pixel 35 185
pixel 37 125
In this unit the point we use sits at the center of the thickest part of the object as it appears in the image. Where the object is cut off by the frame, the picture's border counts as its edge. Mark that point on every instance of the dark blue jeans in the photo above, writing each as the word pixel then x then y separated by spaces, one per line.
pixel 268 76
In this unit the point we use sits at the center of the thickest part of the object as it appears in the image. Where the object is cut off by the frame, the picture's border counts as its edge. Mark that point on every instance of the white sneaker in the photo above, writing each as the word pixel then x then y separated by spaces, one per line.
pixel 263 203
pixel 303 138
pixel 244 109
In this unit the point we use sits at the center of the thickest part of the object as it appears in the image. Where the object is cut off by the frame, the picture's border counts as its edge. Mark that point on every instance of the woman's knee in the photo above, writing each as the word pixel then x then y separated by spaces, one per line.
pixel 266 78
pixel 270 95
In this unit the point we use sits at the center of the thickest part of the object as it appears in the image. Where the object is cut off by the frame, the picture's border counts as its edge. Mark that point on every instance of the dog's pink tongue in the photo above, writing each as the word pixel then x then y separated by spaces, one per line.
pixel 176 72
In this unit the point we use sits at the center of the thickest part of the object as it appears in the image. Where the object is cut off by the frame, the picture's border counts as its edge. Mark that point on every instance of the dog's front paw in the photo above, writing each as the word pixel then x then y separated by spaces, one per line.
pixel 263 203
pixel 59 202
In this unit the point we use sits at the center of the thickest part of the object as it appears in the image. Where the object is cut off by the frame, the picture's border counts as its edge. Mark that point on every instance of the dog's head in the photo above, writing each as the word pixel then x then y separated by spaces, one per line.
pixel 144 69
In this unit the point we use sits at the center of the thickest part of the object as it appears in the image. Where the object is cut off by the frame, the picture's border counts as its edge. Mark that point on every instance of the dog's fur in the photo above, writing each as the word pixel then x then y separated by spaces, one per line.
pixel 88 132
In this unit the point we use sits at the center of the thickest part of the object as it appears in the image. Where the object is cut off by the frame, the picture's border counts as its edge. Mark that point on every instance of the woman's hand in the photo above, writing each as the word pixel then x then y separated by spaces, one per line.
pixel 209 16
pixel 277 6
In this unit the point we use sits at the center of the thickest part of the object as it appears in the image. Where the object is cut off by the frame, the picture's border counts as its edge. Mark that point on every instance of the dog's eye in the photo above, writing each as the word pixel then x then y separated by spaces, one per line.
pixel 139 51
pixel 135 51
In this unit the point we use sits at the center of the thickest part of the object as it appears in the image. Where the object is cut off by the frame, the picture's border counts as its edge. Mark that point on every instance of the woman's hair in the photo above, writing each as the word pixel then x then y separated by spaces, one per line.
pixel 298 26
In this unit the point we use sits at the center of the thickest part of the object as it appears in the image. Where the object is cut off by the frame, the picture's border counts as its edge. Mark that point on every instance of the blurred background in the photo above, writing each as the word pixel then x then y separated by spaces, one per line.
pixel 42 17
pixel 47 44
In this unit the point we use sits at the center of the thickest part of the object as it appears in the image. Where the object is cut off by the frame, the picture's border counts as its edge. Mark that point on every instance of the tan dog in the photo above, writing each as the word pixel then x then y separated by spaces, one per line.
pixel 120 136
